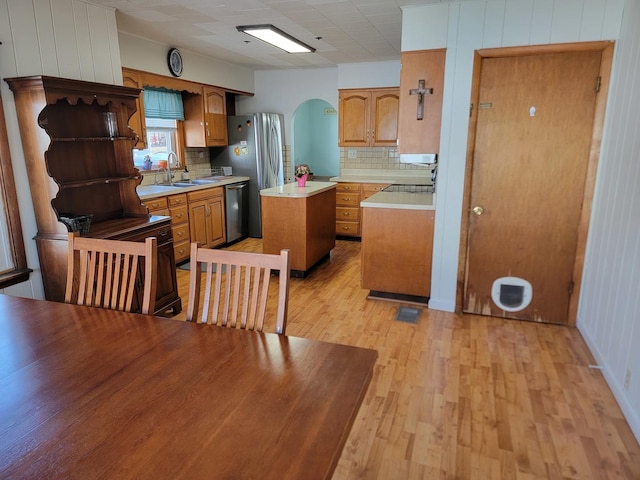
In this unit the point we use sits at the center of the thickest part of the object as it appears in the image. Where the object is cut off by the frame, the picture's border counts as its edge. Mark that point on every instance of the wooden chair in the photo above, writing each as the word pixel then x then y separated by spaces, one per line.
pixel 234 306
pixel 104 273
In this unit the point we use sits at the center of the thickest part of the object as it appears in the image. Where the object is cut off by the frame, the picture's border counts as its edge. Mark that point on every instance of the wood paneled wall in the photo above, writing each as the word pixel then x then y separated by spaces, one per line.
pixel 60 38
pixel 609 310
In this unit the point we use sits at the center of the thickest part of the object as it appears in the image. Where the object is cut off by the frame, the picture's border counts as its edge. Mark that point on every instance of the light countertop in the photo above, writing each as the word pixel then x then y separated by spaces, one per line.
pixel 294 191
pixel 401 201
pixel 149 191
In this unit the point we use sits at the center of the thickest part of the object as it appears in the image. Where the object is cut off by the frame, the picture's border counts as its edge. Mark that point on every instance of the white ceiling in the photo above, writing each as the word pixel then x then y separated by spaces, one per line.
pixel 351 31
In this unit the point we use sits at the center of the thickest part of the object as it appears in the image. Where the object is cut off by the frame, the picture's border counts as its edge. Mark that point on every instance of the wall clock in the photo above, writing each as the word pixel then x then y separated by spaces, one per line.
pixel 174 59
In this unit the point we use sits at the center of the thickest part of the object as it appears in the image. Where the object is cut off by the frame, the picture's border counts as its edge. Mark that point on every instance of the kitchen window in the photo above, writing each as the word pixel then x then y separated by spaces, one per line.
pixel 163 110
pixel 162 138
pixel 13 257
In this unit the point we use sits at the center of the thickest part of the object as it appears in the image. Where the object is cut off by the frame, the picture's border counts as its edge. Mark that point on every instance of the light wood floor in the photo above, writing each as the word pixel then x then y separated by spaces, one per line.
pixel 461 396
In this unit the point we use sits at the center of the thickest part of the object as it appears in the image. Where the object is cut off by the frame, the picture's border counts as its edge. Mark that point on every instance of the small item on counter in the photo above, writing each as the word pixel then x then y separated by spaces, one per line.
pixel 185 174
pixel 147 163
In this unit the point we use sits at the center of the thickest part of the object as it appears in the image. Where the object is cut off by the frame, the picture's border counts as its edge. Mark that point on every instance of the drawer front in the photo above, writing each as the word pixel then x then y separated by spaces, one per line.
pixel 177 200
pixel 348 228
pixel 205 193
pixel 369 189
pixel 347 214
pixel 179 214
pixel 182 250
pixel 180 232
pixel 346 199
pixel 348 187
pixel 155 204
pixel 161 232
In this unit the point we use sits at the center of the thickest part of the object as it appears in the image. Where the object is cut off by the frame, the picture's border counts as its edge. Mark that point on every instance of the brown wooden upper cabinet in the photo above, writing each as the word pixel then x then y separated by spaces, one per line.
pixel 423 68
pixel 368 118
pixel 133 78
pixel 205 118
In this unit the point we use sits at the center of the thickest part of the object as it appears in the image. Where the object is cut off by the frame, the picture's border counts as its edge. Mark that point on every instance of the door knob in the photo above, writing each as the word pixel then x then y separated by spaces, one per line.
pixel 478 210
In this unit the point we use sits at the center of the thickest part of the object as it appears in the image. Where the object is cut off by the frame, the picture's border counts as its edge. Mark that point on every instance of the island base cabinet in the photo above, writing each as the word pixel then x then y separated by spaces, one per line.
pixel 305 226
pixel 396 250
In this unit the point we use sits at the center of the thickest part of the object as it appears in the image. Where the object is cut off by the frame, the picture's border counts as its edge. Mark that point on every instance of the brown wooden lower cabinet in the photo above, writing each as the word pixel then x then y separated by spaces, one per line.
pixel 206 217
pixel 304 225
pixel 53 253
pixel 348 210
pixel 396 250
pixel 167 290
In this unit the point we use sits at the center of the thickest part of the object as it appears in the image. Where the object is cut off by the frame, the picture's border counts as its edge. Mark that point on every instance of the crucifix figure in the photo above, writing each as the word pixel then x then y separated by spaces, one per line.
pixel 420 91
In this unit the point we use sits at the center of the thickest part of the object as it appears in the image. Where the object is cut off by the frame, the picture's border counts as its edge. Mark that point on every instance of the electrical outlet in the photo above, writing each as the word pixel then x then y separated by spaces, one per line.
pixel 352 153
pixel 200 154
pixel 627 379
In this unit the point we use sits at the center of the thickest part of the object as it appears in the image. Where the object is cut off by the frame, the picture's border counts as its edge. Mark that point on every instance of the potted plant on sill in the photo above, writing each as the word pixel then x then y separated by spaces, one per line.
pixel 302 173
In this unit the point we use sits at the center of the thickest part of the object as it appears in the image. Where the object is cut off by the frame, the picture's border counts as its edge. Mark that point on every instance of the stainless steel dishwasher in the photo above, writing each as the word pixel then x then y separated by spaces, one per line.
pixel 236 196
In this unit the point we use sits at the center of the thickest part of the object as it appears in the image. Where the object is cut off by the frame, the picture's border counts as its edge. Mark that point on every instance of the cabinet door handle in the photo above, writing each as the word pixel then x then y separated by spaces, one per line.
pixel 163 233
pixel 346 214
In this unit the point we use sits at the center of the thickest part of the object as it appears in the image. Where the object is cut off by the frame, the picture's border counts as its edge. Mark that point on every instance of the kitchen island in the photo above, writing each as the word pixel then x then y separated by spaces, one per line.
pixel 301 219
pixel 397 244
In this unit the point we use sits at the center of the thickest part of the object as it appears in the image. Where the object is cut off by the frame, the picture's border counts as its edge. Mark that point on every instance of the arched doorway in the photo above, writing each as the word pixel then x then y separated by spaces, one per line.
pixel 315 138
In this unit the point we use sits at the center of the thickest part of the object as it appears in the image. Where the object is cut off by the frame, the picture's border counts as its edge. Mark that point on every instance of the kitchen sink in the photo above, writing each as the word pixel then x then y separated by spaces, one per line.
pixel 201 181
pixel 194 182
pixel 184 184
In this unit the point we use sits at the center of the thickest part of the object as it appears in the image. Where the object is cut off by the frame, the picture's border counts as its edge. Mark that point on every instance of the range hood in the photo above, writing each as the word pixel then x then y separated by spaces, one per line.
pixel 419 158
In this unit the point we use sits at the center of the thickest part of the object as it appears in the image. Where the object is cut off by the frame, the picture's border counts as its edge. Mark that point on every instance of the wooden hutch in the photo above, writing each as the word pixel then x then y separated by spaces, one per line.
pixel 76 167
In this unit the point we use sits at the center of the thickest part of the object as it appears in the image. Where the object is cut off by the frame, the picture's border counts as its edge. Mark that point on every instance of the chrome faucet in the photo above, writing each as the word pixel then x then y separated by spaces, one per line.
pixel 172 153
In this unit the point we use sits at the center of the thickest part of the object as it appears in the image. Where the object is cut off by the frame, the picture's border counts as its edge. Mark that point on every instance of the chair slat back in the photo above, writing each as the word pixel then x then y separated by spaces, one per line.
pixel 237 288
pixel 104 273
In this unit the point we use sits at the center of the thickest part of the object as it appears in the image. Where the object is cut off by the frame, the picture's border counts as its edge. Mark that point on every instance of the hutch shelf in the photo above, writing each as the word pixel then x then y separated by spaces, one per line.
pixel 80 163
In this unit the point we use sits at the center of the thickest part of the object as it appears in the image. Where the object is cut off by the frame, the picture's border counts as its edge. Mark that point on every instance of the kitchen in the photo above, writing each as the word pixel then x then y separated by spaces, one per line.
pixel 290 88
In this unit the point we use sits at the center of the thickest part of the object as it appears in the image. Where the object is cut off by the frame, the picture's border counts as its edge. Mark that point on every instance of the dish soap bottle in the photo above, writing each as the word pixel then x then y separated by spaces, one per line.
pixel 185 174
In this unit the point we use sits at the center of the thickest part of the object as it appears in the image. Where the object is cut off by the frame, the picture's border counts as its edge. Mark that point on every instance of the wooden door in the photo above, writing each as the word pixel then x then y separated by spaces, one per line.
pixel 384 118
pixel 198 222
pixel 533 137
pixel 215 221
pixel 353 118
pixel 216 118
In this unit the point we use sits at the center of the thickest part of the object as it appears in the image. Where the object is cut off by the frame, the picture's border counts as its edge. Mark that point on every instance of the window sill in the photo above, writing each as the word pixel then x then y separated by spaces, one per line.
pixel 14 277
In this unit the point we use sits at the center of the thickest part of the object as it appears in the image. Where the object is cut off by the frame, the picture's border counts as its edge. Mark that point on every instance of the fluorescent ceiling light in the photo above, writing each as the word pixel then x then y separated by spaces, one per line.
pixel 276 37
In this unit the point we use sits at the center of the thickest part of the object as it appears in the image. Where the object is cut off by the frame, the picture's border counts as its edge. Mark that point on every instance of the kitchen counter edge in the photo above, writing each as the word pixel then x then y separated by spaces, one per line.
pixel 292 190
pixel 401 201
pixel 146 192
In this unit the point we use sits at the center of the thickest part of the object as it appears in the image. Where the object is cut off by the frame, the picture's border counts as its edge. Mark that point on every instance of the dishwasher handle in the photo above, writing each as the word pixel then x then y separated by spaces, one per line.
pixel 237 187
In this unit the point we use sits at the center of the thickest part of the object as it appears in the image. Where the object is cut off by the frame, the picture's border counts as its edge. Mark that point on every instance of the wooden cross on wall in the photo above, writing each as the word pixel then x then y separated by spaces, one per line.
pixel 420 91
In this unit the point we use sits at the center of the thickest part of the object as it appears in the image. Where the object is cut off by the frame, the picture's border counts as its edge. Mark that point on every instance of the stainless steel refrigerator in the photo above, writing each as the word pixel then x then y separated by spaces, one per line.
pixel 256 151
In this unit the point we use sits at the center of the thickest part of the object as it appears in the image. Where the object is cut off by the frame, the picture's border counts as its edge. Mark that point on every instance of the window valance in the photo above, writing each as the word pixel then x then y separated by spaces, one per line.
pixel 163 103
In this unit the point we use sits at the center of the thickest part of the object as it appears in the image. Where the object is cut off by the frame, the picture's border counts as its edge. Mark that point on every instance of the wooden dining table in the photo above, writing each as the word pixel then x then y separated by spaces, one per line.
pixel 89 393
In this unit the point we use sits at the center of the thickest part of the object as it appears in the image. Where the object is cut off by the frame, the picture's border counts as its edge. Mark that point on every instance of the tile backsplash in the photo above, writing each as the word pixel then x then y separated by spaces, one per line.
pixel 377 158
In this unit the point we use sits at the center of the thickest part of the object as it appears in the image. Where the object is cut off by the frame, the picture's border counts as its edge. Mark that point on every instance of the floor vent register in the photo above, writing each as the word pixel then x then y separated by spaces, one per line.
pixel 408 314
